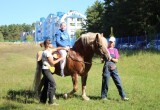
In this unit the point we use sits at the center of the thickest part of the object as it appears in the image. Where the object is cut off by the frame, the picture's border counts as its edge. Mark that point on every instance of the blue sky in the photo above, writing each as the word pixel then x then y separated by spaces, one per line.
pixel 29 11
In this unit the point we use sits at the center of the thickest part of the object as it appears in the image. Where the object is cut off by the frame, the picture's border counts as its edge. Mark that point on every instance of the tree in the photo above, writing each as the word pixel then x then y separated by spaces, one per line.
pixel 131 17
pixel 94 13
pixel 5 33
pixel 29 38
pixel 27 28
pixel 12 32
pixel 78 33
pixel 1 37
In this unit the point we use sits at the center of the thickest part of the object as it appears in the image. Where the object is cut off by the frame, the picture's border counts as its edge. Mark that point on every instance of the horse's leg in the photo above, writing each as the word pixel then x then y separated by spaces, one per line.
pixel 75 86
pixel 83 81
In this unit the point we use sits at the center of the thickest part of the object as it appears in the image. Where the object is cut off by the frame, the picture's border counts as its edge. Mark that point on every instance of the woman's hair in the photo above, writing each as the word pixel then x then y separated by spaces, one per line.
pixel 46 42
pixel 42 44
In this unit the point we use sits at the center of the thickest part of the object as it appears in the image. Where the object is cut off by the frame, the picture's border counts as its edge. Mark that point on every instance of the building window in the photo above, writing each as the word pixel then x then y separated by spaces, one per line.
pixel 72 36
pixel 72 24
pixel 79 19
pixel 56 24
pixel 79 24
pixel 72 19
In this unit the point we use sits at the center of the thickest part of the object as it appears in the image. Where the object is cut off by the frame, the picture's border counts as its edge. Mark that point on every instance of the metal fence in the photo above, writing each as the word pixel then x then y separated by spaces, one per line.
pixel 142 42
pixel 137 42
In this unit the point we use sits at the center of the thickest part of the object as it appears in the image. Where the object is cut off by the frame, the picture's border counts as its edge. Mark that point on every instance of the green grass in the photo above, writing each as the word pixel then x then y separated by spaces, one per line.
pixel 139 71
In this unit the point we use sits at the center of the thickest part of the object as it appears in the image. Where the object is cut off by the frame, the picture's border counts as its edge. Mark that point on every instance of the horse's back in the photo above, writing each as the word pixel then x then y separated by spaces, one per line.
pixel 74 64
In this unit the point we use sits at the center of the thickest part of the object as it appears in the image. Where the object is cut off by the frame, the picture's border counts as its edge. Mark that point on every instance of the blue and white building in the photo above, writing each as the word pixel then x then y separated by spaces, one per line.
pixel 47 27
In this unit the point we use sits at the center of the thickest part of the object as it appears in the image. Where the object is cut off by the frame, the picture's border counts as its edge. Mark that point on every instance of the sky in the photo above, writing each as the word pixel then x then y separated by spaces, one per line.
pixel 29 11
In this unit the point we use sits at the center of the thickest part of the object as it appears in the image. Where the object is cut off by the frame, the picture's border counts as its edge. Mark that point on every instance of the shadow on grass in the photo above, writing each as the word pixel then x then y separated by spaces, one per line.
pixel 76 96
pixel 9 106
pixel 21 96
pixel 58 96
pixel 30 97
pixel 99 98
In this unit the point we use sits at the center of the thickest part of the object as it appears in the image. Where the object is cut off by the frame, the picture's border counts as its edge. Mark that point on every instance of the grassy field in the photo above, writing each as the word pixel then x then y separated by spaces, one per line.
pixel 139 71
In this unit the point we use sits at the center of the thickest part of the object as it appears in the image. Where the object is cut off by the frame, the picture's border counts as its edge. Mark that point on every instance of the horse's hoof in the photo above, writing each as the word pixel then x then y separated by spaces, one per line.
pixel 85 98
pixel 65 96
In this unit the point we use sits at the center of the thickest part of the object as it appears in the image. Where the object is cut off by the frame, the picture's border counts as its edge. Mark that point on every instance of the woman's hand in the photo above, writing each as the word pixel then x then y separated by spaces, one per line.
pixel 61 58
pixel 102 60
pixel 114 60
pixel 66 48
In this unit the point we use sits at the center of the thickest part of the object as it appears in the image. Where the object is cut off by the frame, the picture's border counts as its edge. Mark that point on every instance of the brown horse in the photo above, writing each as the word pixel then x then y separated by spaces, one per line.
pixel 79 61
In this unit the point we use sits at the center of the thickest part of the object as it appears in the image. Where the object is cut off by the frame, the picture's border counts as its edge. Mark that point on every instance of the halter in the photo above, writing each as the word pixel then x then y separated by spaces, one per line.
pixel 101 50
pixel 99 47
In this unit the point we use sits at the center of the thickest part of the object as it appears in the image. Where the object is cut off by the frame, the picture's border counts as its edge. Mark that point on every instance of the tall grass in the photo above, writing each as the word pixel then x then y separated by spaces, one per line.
pixel 139 71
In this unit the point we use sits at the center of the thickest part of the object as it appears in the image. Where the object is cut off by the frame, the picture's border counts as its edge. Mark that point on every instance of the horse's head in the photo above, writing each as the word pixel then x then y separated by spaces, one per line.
pixel 91 43
pixel 101 45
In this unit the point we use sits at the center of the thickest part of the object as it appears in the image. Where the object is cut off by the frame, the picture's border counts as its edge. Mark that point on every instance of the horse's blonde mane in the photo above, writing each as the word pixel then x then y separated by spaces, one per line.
pixel 88 38
pixel 104 42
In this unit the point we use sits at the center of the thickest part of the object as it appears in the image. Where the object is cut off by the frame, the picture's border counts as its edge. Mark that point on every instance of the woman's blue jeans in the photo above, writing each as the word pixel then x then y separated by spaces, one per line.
pixel 105 80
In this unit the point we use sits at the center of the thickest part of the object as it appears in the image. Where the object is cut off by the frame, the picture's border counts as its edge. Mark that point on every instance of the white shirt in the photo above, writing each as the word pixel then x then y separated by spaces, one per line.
pixel 45 55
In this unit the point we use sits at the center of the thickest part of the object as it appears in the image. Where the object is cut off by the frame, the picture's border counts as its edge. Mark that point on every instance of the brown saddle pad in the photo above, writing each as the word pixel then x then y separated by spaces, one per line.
pixel 75 56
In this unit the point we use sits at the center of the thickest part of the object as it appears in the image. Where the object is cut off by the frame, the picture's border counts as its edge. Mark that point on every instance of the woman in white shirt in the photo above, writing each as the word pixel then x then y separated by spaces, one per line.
pixel 49 82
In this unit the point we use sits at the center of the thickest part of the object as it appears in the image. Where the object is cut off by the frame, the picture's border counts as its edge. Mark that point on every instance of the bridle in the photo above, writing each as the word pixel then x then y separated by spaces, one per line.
pixel 100 48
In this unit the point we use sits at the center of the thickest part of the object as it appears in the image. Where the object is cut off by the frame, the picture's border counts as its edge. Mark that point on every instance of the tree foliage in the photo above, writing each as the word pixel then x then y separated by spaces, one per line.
pixel 78 33
pixel 94 15
pixel 1 37
pixel 127 17
pixel 29 38
pixel 133 17
pixel 12 32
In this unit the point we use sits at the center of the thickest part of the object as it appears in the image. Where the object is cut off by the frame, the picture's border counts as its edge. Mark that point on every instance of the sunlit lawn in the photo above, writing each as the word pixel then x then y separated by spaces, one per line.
pixel 139 71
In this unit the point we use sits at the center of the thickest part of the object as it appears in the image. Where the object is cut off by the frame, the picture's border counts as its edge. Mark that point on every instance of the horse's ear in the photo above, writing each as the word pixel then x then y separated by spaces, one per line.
pixel 102 35
pixel 97 37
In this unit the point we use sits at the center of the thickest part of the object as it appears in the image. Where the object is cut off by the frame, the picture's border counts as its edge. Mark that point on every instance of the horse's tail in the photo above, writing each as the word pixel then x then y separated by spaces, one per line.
pixel 37 76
